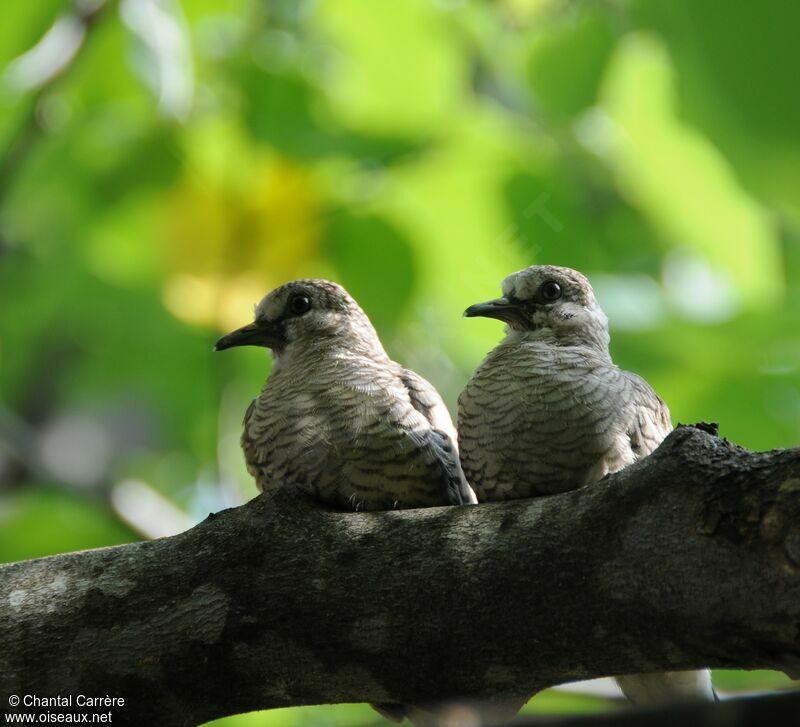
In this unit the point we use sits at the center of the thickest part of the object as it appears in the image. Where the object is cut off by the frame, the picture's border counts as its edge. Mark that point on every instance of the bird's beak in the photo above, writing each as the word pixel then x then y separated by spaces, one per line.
pixel 502 308
pixel 260 333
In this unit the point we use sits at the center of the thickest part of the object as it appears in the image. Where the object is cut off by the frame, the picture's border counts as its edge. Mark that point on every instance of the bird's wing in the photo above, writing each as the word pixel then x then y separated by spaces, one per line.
pixel 650 421
pixel 250 446
pixel 442 437
pixel 427 401
pixel 649 425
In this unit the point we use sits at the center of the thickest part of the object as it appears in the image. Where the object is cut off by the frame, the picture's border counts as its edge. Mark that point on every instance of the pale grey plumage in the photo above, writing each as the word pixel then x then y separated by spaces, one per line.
pixel 337 419
pixel 548 411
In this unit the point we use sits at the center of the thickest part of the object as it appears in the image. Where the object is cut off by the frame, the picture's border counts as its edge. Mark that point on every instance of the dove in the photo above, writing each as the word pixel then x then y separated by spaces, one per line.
pixel 548 411
pixel 337 419
pixel 340 422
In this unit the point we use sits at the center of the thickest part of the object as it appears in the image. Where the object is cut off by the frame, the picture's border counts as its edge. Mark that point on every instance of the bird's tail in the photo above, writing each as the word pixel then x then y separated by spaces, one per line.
pixel 661 687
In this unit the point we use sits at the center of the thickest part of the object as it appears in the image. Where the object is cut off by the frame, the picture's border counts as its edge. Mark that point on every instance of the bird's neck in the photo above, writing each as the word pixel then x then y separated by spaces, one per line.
pixel 595 342
pixel 327 353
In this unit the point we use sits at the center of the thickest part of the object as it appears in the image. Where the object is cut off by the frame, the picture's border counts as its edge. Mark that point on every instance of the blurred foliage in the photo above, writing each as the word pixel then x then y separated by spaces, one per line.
pixel 163 164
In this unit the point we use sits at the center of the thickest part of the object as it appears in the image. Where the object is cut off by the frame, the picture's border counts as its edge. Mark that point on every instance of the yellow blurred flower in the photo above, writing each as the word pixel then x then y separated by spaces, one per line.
pixel 230 241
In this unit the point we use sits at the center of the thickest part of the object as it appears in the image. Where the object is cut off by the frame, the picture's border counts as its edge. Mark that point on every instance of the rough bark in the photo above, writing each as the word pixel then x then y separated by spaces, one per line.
pixel 688 558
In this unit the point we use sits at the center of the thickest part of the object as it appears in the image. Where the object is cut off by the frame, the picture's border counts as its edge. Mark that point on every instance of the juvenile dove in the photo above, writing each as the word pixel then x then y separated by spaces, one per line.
pixel 548 411
pixel 338 420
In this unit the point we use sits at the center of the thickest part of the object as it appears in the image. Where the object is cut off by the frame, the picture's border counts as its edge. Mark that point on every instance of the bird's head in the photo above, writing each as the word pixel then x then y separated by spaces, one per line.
pixel 548 302
pixel 305 314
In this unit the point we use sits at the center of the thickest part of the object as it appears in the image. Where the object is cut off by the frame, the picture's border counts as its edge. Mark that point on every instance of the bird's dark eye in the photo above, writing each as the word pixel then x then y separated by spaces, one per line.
pixel 299 304
pixel 550 291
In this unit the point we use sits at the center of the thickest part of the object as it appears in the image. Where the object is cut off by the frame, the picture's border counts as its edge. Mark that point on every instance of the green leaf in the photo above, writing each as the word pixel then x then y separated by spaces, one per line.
pixel 24 24
pixel 566 62
pixel 374 262
pixel 40 521
pixel 396 69
pixel 679 180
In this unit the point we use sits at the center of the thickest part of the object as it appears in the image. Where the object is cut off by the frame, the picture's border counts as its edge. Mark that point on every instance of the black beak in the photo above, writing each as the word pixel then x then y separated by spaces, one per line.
pixel 502 308
pixel 260 333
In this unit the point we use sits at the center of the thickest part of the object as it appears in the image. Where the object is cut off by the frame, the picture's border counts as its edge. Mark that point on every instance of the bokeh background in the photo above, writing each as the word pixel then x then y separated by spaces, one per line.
pixel 164 164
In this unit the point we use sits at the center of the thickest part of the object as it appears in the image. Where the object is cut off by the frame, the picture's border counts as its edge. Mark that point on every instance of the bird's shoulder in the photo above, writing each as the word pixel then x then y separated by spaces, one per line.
pixel 650 418
pixel 248 415
pixel 249 442
pixel 442 438
pixel 424 397
pixel 644 395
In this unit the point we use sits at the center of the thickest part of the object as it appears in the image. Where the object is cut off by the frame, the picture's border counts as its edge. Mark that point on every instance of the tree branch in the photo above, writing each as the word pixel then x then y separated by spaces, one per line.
pixel 689 558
